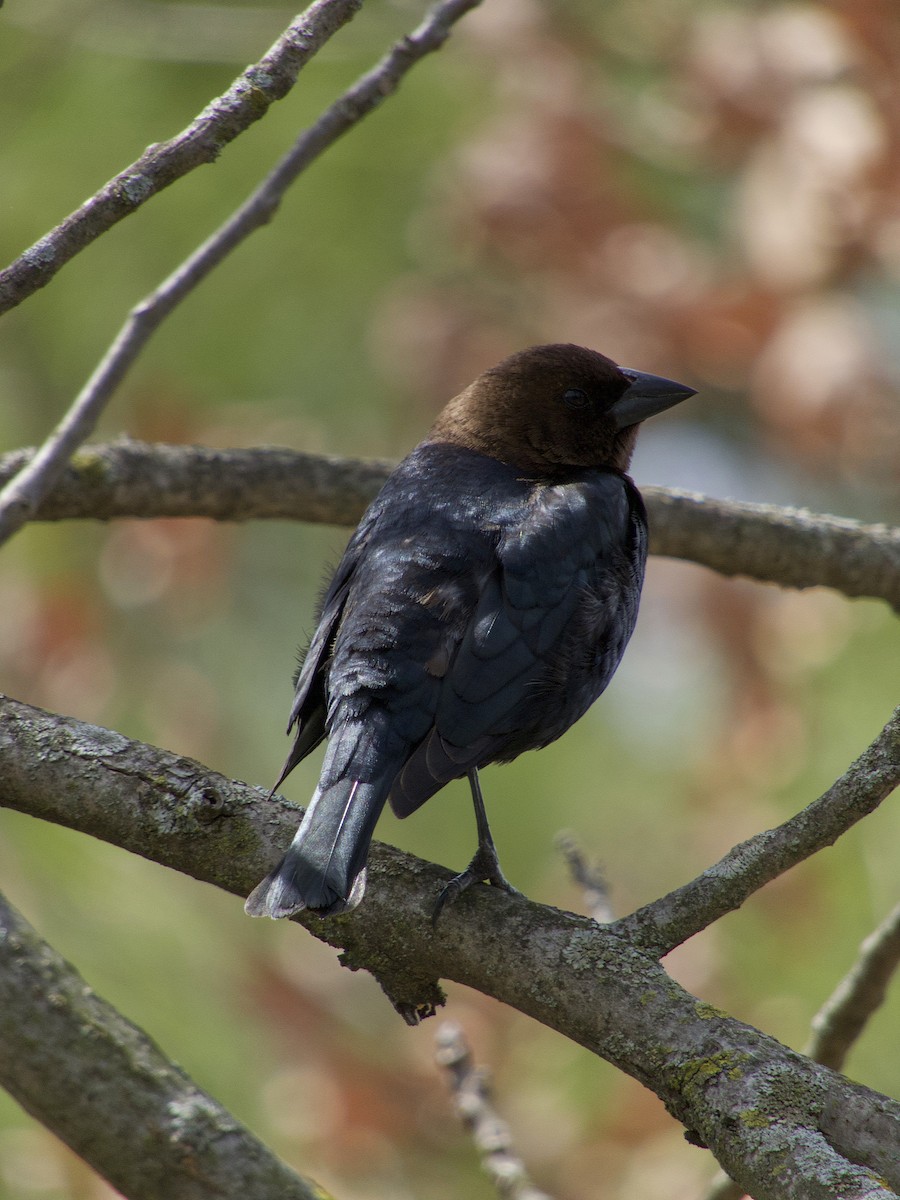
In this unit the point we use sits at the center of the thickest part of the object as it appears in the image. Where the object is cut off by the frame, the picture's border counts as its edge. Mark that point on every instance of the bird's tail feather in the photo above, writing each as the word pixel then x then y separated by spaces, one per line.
pixel 324 869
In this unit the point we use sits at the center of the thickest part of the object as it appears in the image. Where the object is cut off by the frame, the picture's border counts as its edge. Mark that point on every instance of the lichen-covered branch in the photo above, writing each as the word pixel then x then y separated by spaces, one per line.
pixel 844 1015
pixel 783 1127
pixel 103 1087
pixel 723 887
pixel 20 497
pixel 778 545
pixel 221 121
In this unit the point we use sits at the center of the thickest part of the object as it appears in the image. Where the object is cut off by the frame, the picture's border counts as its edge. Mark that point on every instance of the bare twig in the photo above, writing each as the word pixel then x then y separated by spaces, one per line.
pixel 132 479
pixel 20 497
pixel 589 877
pixel 490 1133
pixel 223 119
pixel 844 1015
pixel 99 1083
pixel 674 918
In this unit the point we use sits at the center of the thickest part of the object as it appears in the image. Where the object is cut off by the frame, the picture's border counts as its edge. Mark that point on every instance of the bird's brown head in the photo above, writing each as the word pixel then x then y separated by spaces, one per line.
pixel 550 409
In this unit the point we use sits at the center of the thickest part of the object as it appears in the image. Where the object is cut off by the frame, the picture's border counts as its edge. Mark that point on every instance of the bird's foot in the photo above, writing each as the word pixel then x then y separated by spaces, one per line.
pixel 484 868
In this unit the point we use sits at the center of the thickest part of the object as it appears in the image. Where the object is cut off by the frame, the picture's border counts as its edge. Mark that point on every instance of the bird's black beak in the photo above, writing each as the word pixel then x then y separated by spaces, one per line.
pixel 646 396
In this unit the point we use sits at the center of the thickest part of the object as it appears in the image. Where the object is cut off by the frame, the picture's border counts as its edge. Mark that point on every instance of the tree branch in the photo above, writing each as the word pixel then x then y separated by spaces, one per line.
pixel 133 479
pixel 20 497
pixel 490 1133
pixel 788 546
pixel 589 877
pixel 723 887
pixel 844 1015
pixel 223 119
pixel 103 1087
pixel 782 1126
pixel 778 545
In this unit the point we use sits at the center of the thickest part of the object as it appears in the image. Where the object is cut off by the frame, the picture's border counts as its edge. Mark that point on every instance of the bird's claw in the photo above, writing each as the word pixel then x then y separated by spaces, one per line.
pixel 484 868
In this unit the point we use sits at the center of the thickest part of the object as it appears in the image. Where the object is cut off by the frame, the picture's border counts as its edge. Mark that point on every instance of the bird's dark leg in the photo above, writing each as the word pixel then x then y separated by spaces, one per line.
pixel 485 865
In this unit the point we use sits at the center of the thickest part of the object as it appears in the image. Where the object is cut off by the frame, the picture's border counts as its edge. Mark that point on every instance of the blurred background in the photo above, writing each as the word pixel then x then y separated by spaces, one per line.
pixel 704 189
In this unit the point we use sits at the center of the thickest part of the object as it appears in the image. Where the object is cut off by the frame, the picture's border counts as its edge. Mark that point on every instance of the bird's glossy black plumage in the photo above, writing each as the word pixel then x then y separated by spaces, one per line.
pixel 479 609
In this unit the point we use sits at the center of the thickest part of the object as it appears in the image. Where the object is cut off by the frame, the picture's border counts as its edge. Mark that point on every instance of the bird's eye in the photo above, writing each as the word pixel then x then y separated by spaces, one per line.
pixel 575 398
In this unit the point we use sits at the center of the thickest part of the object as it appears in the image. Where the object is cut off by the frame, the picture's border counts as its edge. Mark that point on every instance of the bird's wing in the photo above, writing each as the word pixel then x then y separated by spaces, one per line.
pixel 308 712
pixel 554 563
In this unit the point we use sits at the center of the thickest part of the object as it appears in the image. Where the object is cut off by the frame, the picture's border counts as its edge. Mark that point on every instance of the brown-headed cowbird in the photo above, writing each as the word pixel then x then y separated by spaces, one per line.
pixel 480 608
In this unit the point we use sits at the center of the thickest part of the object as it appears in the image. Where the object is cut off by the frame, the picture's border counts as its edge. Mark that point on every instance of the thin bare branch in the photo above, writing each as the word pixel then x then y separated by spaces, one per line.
pixel 22 494
pixel 20 497
pixel 133 479
pixel 102 1086
pixel 573 975
pixel 671 920
pixel 490 1133
pixel 589 877
pixel 844 1015
pixel 224 118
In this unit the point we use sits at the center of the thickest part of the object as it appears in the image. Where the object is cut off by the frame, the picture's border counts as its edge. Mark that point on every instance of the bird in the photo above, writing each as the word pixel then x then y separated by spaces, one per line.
pixel 481 606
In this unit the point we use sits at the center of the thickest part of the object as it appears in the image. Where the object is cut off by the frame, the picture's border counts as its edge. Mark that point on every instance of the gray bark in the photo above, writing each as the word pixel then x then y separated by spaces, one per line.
pixel 773 545
pixel 102 1086
pixel 780 1125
